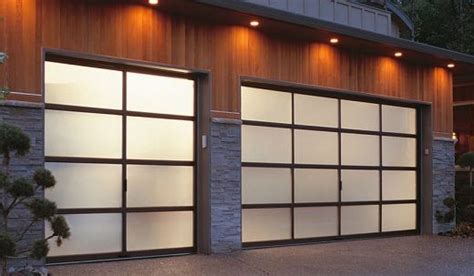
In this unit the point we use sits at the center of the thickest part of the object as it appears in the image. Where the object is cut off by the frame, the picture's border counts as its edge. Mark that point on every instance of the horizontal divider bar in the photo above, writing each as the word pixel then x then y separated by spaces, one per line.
pixel 60 159
pixel 324 204
pixel 118 255
pixel 120 112
pixel 117 210
pixel 256 244
pixel 328 129
pixel 314 166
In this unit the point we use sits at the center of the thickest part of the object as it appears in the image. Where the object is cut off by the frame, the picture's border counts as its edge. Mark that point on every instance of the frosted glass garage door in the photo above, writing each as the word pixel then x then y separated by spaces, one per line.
pixel 121 146
pixel 320 167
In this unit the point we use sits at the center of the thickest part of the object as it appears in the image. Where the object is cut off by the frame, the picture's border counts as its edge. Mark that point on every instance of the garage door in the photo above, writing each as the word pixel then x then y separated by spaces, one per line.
pixel 316 166
pixel 120 142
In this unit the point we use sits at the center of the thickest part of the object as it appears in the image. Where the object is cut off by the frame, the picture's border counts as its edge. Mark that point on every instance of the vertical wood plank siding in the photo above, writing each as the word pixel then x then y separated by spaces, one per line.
pixel 120 29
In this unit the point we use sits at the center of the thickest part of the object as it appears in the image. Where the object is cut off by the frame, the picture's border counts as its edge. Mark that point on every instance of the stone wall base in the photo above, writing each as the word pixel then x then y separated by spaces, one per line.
pixel 225 191
pixel 443 181
pixel 28 117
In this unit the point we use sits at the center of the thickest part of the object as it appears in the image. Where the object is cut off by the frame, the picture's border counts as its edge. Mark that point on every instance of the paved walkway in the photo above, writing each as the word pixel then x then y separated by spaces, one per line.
pixel 417 255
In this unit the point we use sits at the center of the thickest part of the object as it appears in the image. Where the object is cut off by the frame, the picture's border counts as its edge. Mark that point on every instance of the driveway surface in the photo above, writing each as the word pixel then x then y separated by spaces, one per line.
pixel 416 255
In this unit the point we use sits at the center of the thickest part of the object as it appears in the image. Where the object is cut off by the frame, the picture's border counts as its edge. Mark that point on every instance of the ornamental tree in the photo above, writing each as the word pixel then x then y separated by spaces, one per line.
pixel 20 192
pixel 467 161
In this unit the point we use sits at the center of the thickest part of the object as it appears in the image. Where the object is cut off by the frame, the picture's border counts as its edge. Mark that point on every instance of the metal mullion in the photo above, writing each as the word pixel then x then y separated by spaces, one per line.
pixel 380 171
pixel 292 169
pixel 160 162
pixel 339 172
pixel 83 109
pixel 124 164
pixel 62 159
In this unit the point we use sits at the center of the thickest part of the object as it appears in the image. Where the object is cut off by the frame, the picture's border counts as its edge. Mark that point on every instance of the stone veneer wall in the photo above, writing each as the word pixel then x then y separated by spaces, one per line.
pixel 29 117
pixel 225 191
pixel 443 180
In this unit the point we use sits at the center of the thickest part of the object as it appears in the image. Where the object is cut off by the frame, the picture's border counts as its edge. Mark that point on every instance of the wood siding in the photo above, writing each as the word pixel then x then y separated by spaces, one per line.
pixel 120 29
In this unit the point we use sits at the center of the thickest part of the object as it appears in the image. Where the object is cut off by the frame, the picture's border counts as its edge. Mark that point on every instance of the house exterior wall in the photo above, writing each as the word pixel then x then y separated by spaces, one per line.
pixel 129 31
pixel 338 11
pixel 139 32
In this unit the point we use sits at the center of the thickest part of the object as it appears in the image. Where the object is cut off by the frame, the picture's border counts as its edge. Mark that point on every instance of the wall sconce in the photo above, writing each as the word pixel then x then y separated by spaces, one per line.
pixel 455 138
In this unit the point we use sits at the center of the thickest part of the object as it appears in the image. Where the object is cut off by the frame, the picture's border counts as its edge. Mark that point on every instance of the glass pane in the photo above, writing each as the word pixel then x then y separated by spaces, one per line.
pixel 398 119
pixel 397 151
pixel 266 144
pixel 398 217
pixel 158 94
pixel 100 185
pixel 398 185
pixel 91 233
pixel 159 186
pixel 147 231
pixel 362 150
pixel 266 185
pixel 82 86
pixel 316 147
pixel 266 105
pixel 360 185
pixel 315 185
pixel 360 115
pixel 77 134
pixel 315 222
pixel 160 139
pixel 266 224
pixel 316 111
pixel 359 219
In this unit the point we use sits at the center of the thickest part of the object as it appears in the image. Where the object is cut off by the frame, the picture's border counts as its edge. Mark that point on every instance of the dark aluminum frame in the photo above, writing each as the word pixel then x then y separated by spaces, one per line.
pixel 340 95
pixel 124 210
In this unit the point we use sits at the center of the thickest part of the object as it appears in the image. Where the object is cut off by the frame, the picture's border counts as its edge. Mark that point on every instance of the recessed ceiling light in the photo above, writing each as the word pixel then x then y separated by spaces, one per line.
pixel 153 2
pixel 334 40
pixel 254 23
pixel 398 54
pixel 451 65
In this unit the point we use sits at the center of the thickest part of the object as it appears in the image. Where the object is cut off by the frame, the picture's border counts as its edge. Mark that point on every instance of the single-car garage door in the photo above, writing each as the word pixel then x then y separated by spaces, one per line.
pixel 120 142
pixel 320 166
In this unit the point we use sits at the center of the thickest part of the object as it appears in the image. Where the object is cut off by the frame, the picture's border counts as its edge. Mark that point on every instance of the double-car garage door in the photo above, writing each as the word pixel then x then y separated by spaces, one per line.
pixel 324 167
pixel 120 142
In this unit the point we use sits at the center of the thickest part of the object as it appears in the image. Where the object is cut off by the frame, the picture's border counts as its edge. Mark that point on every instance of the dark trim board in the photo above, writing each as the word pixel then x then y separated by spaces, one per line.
pixel 340 95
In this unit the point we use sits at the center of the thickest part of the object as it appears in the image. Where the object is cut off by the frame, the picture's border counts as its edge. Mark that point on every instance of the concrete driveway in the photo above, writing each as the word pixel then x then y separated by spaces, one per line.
pixel 416 255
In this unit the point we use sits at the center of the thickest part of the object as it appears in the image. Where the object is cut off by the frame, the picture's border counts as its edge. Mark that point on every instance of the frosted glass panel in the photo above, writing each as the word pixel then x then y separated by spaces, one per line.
pixel 360 185
pixel 160 139
pixel 266 105
pixel 359 219
pixel 266 144
pixel 316 222
pixel 398 185
pixel 159 186
pixel 266 224
pixel 316 147
pixel 82 86
pixel 266 185
pixel 397 151
pixel 316 111
pixel 398 217
pixel 146 231
pixel 360 150
pixel 398 119
pixel 158 94
pixel 315 185
pixel 100 185
pixel 76 134
pixel 359 115
pixel 90 233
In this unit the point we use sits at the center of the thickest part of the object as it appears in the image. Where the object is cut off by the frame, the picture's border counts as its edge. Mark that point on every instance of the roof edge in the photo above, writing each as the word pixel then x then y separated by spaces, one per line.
pixel 284 16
